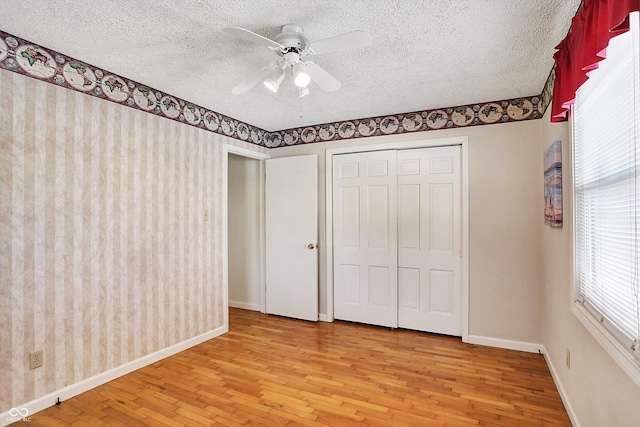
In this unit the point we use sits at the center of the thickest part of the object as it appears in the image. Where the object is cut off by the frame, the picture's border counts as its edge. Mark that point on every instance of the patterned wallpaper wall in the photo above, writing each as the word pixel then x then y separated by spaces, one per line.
pixel 104 253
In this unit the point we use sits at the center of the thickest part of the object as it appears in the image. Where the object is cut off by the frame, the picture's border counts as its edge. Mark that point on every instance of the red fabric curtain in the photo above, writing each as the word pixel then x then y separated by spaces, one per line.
pixel 585 46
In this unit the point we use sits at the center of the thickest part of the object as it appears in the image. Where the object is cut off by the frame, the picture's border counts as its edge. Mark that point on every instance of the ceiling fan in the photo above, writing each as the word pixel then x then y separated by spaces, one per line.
pixel 293 47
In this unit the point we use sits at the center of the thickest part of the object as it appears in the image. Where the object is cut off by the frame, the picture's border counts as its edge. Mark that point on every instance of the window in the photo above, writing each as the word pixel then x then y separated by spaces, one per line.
pixel 606 125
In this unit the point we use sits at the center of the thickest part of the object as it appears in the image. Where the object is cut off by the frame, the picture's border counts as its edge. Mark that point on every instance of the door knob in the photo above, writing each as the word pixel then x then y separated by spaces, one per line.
pixel 311 246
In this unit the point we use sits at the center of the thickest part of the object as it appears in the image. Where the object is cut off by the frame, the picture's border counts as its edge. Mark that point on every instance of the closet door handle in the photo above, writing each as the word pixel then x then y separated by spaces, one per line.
pixel 312 246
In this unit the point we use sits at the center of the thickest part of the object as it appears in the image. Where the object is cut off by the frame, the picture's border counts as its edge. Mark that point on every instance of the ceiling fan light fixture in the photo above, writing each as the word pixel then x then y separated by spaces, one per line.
pixel 273 81
pixel 302 79
pixel 292 46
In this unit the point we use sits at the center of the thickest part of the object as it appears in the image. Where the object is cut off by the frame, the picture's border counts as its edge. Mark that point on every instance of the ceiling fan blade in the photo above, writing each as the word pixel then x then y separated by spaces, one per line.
pixel 342 42
pixel 253 79
pixel 252 37
pixel 326 81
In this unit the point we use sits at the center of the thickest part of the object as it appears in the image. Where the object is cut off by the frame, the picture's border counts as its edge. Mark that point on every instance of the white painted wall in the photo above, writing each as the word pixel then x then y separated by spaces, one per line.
pixel 597 391
pixel 244 233
pixel 520 270
pixel 505 197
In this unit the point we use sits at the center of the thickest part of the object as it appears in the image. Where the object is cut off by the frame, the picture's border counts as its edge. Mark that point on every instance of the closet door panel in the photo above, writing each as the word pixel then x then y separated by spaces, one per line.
pixel 365 238
pixel 429 188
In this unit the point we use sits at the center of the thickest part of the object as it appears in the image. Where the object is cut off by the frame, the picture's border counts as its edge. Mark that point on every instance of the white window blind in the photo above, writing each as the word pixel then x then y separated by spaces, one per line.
pixel 607 189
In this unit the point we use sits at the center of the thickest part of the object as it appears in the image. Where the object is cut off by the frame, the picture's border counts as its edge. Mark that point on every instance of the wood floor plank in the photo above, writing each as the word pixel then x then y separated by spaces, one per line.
pixel 274 371
pixel 152 413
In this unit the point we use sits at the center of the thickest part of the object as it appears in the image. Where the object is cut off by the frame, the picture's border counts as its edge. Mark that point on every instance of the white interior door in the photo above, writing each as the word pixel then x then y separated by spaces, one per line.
pixel 429 240
pixel 365 238
pixel 291 217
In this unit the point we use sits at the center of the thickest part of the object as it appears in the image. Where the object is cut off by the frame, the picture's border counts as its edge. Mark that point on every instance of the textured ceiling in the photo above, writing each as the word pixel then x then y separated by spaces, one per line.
pixel 425 54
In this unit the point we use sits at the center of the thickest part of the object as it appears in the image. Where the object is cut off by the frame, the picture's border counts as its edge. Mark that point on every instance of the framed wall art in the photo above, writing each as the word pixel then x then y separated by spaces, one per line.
pixel 553 185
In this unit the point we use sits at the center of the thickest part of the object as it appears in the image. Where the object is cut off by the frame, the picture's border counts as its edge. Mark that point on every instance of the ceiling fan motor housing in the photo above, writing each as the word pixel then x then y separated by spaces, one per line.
pixel 291 36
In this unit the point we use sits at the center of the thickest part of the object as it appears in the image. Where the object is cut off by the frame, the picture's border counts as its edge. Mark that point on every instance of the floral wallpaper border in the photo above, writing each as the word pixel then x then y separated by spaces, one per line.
pixel 517 109
pixel 21 56
pixel 547 91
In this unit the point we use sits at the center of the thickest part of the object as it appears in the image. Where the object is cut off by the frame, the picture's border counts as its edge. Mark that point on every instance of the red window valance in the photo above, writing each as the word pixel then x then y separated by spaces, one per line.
pixel 585 46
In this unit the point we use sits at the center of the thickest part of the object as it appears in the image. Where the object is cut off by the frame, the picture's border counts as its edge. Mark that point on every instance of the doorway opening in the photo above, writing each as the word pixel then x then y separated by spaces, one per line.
pixel 243 229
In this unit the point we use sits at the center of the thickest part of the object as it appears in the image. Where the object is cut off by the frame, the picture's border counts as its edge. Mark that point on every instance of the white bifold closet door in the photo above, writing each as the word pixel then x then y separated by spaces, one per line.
pixel 397 237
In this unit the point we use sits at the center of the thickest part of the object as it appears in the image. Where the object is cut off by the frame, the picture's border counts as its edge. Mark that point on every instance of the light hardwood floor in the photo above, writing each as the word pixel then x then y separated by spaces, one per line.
pixel 275 371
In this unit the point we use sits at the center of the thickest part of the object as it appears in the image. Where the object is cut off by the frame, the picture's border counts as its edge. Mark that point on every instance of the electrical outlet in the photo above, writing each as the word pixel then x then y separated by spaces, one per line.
pixel 36 359
pixel 568 358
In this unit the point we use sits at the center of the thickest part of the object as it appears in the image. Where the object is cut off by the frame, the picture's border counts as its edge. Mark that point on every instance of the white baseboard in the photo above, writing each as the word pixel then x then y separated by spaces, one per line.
pixel 74 389
pixel 507 344
pixel 563 395
pixel 323 317
pixel 244 305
